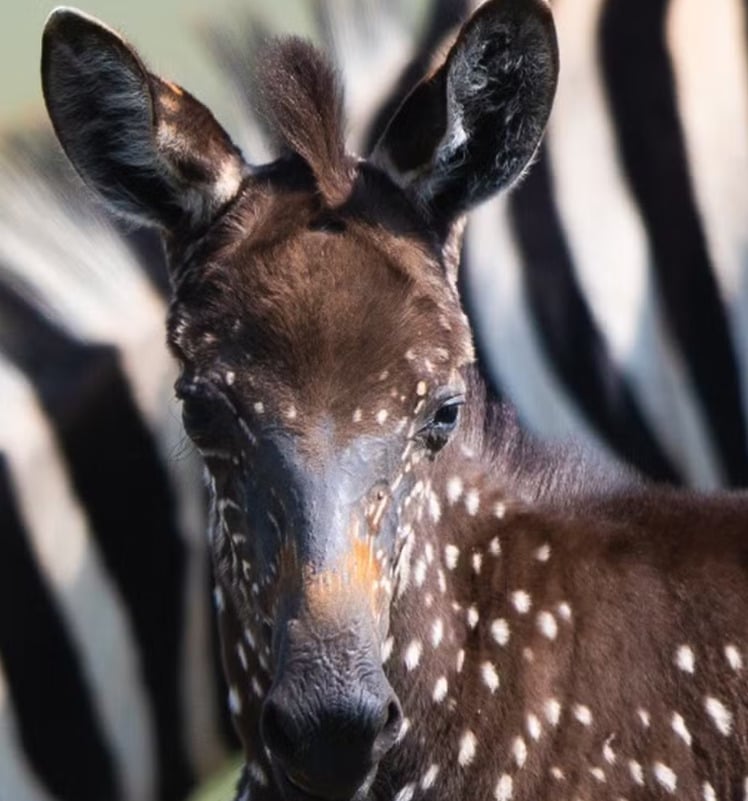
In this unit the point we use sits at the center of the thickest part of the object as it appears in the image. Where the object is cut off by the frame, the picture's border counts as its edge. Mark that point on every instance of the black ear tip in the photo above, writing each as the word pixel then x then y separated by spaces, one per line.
pixel 65 20
pixel 66 24
pixel 544 12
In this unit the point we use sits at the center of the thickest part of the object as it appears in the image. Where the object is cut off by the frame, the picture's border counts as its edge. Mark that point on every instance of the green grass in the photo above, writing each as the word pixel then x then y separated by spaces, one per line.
pixel 221 787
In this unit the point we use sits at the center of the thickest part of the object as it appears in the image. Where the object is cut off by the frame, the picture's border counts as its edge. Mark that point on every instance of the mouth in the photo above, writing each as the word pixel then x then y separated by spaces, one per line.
pixel 294 788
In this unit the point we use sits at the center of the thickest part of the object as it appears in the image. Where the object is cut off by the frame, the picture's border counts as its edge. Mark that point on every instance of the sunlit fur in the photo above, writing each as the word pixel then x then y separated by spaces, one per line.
pixel 416 602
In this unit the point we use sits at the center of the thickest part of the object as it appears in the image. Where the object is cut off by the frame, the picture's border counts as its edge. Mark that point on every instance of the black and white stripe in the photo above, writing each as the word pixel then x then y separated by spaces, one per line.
pixel 110 686
pixel 608 289
pixel 610 298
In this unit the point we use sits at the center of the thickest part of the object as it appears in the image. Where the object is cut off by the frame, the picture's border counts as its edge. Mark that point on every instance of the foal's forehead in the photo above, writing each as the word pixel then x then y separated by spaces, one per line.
pixel 338 296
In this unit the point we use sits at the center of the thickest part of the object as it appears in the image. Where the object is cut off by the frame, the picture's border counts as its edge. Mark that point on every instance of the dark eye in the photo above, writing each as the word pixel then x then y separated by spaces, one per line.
pixel 444 421
pixel 197 416
pixel 205 417
pixel 447 415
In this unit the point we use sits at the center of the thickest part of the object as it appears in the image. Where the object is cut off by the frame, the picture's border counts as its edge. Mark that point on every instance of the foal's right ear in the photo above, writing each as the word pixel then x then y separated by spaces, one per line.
pixel 150 149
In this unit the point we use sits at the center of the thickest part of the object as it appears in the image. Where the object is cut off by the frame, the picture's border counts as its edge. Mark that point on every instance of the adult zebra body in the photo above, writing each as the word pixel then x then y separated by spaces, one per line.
pixel 610 287
pixel 87 428
pixel 105 635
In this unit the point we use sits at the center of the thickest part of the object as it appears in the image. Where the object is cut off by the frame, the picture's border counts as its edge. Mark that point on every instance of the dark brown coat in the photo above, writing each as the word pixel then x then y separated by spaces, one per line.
pixel 415 599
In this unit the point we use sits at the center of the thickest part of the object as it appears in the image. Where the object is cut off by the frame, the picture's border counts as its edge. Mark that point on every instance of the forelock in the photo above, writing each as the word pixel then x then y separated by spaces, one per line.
pixel 303 102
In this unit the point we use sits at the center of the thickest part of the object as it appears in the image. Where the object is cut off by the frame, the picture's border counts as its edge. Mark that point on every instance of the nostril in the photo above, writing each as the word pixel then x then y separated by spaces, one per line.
pixel 391 730
pixel 394 718
pixel 274 733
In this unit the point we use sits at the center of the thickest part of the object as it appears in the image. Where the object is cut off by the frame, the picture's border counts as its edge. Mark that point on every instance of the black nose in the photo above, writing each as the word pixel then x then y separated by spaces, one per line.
pixel 327 740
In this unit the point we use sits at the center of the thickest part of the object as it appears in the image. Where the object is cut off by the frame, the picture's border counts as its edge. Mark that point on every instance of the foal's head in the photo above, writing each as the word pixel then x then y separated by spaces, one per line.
pixel 316 320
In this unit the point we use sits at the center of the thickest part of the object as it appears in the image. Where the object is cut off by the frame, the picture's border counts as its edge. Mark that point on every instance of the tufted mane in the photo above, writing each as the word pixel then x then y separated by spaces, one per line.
pixel 303 101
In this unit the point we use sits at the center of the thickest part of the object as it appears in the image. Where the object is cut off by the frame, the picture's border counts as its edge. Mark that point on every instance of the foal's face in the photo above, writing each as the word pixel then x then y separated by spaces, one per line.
pixel 321 366
pixel 321 341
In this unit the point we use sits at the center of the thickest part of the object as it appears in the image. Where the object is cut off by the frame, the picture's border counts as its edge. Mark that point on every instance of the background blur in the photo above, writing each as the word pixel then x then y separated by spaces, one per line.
pixel 167 33
pixel 170 35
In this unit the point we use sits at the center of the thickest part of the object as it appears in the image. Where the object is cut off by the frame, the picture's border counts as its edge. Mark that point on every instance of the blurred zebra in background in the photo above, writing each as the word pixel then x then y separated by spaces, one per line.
pixel 607 293
pixel 110 684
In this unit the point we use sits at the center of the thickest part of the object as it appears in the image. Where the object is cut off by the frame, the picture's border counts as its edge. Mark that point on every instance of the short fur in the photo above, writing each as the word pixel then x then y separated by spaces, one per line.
pixel 411 607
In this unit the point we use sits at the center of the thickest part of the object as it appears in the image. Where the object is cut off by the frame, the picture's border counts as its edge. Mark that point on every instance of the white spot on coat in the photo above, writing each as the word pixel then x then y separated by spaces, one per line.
pixel 437 632
pixel 637 772
pixel 685 659
pixel 665 776
pixel 435 509
pixel 680 728
pixel 454 490
pixel 564 611
pixel 598 774
pixel 387 646
pixel 413 654
pixel 534 729
pixel 419 573
pixel 734 658
pixel 720 714
pixel 242 655
pixel 440 689
pixel 490 676
pixel 543 554
pixel 500 631
pixel 468 744
pixel 406 794
pixel 429 777
pixel 451 556
pixel 547 625
pixel 609 755
pixel 235 702
pixel 504 788
pixel 519 751
pixel 522 601
pixel 552 710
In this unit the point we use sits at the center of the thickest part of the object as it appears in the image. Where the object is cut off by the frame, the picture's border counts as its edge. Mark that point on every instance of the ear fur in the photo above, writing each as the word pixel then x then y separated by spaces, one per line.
pixel 148 148
pixel 470 129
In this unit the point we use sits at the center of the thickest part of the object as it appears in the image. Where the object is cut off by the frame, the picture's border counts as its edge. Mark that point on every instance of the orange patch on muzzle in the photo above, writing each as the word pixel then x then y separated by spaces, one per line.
pixel 355 581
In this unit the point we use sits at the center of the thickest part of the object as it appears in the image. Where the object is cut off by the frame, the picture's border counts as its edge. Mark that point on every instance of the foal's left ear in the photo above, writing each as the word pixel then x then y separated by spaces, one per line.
pixel 471 128
pixel 150 149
